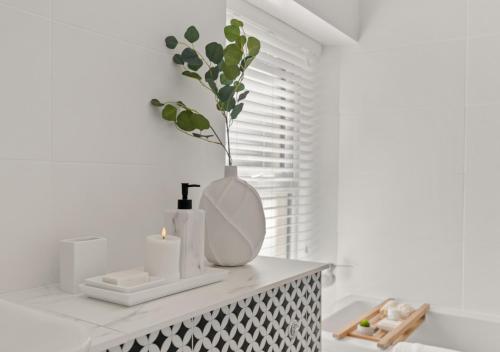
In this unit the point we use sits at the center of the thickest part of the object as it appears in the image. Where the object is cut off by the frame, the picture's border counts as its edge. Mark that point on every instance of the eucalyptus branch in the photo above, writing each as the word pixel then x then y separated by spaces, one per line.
pixel 227 63
pixel 219 140
pixel 191 135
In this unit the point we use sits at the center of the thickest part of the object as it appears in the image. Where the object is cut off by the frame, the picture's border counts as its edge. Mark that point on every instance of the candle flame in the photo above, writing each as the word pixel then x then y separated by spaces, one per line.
pixel 163 233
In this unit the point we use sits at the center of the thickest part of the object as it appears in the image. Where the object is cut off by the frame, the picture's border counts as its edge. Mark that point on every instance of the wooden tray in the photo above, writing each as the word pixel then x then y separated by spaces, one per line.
pixel 382 338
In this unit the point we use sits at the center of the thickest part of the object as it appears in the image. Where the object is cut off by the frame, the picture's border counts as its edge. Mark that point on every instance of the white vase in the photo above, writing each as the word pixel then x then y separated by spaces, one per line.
pixel 234 220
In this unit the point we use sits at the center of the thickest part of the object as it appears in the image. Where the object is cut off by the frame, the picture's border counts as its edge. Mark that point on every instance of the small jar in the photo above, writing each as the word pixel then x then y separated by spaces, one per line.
pixel 365 330
pixel 393 313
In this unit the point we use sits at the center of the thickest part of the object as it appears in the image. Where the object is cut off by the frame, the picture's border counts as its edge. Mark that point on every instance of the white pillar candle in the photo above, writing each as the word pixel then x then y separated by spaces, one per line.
pixel 162 256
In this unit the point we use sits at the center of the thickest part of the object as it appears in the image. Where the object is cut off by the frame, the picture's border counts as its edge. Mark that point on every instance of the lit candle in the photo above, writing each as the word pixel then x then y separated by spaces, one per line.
pixel 162 256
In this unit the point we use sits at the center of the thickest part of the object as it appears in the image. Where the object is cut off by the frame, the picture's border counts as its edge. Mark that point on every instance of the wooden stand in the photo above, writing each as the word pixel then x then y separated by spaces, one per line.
pixel 382 338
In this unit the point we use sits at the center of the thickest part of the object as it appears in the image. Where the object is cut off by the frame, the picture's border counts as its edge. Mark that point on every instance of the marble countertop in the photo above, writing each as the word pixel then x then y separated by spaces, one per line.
pixel 111 324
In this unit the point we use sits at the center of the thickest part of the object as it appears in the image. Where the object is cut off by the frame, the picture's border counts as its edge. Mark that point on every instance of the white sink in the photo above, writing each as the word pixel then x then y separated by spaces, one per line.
pixel 27 330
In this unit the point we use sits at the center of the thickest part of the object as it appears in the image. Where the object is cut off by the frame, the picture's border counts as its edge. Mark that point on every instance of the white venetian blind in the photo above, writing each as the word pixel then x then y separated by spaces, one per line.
pixel 273 139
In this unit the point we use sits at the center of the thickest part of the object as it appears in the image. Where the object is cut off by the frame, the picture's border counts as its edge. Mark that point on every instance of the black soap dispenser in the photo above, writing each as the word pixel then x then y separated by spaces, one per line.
pixel 188 224
pixel 185 202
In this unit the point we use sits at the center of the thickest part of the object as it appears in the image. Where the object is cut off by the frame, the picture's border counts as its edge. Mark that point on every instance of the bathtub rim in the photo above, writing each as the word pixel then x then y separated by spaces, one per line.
pixel 330 343
pixel 456 312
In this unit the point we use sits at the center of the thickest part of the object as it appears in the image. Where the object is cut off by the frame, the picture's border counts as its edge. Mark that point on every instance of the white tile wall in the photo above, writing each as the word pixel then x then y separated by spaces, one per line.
pixel 27 249
pixel 109 124
pixel 483 79
pixel 482 189
pixel 400 203
pixel 141 22
pixel 419 146
pixel 482 221
pixel 25 85
pixel 81 149
pixel 483 17
pixel 413 76
pixel 393 23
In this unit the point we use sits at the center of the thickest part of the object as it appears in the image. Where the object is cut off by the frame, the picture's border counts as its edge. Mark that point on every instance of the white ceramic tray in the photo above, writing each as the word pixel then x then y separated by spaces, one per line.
pixel 211 275
pixel 97 281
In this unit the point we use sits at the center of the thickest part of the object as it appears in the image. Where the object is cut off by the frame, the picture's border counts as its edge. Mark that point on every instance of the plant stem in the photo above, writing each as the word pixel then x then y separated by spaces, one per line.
pixel 228 152
pixel 228 144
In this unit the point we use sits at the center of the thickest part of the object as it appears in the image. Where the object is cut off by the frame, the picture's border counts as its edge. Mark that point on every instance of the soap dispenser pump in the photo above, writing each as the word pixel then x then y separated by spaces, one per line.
pixel 185 202
pixel 188 224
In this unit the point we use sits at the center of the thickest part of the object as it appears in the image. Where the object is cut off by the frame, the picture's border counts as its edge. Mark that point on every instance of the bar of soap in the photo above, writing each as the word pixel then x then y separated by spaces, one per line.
pixel 387 324
pixel 126 278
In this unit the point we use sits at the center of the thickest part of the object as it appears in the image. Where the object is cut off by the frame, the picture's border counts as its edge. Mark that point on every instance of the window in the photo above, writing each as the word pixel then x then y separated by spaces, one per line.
pixel 272 140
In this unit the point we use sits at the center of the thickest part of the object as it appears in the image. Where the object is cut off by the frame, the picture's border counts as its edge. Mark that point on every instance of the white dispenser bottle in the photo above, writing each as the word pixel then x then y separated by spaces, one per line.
pixel 189 225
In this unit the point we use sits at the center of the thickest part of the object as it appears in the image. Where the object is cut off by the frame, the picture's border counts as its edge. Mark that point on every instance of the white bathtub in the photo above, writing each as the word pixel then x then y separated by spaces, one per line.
pixel 464 332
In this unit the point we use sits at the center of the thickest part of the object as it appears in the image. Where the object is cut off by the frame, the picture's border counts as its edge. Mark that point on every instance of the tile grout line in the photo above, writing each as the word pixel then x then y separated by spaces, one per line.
pixel 52 193
pixel 464 150
pixel 108 36
pixel 51 82
pixel 24 11
pixel 79 162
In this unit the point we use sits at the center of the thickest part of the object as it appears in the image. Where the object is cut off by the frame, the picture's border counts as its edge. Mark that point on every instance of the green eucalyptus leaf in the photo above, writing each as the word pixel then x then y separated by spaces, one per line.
pixel 221 106
pixel 230 71
pixel 156 102
pixel 236 111
pixel 192 34
pixel 224 80
pixel 185 121
pixel 171 42
pixel 214 52
pixel 229 105
pixel 241 41
pixel 169 112
pixel 253 45
pixel 238 86
pixel 195 64
pixel 243 95
pixel 178 59
pixel 213 86
pixel 212 74
pixel 226 93
pixel 232 32
pixel 236 22
pixel 189 55
pixel 246 62
pixel 201 122
pixel 232 54
pixel 192 75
